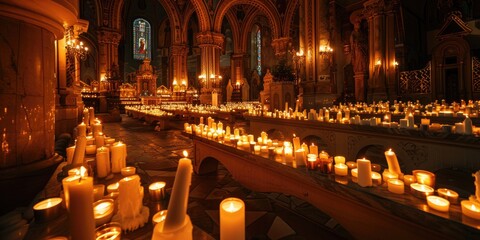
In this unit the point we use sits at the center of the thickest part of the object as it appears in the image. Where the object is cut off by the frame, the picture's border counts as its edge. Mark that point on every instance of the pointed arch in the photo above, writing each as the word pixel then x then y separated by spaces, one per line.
pixel 267 7
pixel 202 15
pixel 289 14
pixel 235 26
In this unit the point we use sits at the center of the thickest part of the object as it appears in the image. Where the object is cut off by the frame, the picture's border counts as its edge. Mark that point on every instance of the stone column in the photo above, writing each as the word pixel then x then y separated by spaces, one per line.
pixel 381 48
pixel 178 60
pixel 28 81
pixel 210 44
pixel 108 40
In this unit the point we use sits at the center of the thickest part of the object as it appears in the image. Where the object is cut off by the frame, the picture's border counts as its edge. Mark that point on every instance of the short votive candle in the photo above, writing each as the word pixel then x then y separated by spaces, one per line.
pixel 438 203
pixel 103 211
pixel 128 171
pixel 448 194
pixel 351 164
pixel 395 186
pixel 112 187
pixel 159 217
pixel 47 209
pixel 421 190
pixel 376 178
pixel 471 209
pixel 109 231
pixel 408 179
pixel 424 177
pixel 341 169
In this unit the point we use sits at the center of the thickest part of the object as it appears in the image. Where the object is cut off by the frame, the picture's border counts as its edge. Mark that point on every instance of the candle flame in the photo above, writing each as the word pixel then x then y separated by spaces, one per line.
pixel 474 208
pixel 82 171
pixel 185 153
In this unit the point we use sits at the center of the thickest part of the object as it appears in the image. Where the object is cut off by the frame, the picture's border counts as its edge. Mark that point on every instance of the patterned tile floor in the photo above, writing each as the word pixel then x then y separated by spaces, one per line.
pixel 268 215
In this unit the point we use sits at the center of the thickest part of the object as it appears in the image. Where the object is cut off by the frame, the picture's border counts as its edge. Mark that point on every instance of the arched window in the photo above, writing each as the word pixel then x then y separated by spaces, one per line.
pixel 141 39
pixel 259 52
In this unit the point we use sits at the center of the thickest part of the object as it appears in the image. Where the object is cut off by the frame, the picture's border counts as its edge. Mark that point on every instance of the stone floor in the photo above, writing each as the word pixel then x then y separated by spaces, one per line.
pixel 268 215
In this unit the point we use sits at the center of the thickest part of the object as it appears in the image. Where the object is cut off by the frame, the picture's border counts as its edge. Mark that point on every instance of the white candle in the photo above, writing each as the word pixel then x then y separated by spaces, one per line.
pixel 159 217
pixel 112 187
pixel 80 214
pixel 421 190
pixel 471 209
pixel 392 162
pixel 395 186
pixel 79 153
pixel 103 162
pixel 300 157
pixel 387 175
pixel 438 203
pixel 92 115
pixel 296 142
pixel 118 156
pixel 232 219
pixel 70 152
pixel 82 129
pixel 424 177
pixel 47 209
pixel 177 207
pixel 376 178
pixel 288 153
pixel 90 149
pixel 314 149
pixel 408 179
pixel 467 125
pixel 354 172
pixel 96 128
pixel 364 172
pixel 100 140
pixel 86 116
pixel 341 169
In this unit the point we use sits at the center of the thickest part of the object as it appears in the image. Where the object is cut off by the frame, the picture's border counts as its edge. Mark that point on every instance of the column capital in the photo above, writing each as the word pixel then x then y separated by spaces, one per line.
pixel 108 36
pixel 377 7
pixel 210 39
pixel 179 49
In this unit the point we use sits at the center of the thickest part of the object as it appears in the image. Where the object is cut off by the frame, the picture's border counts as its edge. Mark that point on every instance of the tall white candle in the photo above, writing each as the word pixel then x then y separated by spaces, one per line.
pixel 177 207
pixel 97 128
pixel 467 125
pixel 314 149
pixel 99 140
pixel 232 219
pixel 80 212
pixel 300 157
pixel 364 172
pixel 86 116
pixel 91 112
pixel 79 153
pixel 70 152
pixel 296 142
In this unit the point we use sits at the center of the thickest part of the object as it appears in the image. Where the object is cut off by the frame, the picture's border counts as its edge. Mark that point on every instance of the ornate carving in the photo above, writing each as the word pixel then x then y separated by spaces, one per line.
pixel 417 81
pixel 181 50
pixel 417 154
pixel 476 74
pixel 108 36
pixel 281 45
pixel 352 142
pixel 211 38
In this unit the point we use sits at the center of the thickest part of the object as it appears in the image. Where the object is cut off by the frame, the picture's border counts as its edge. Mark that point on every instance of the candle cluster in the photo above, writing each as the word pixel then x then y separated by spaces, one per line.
pixel 380 115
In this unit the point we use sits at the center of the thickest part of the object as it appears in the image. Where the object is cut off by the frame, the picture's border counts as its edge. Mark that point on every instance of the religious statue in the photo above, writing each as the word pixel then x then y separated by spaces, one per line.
pixel 359 48
pixel 254 85
pixel 229 90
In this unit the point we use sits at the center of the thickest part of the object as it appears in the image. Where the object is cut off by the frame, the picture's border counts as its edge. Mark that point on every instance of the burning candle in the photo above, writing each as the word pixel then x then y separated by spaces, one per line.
pixel 81 207
pixel 389 175
pixel 392 162
pixel 421 190
pixel 354 172
pixel 82 129
pixel 424 177
pixel 159 217
pixel 471 209
pixel 103 211
pixel 103 162
pixel 312 161
pixel 109 231
pixel 79 153
pixel 395 186
pixel 376 178
pixel 232 219
pixel 118 156
pixel 157 191
pixel 70 152
pixel 438 203
pixel 128 171
pixel 448 194
pixel 341 169
pixel 47 209
pixel 351 165
pixel 112 187
pixel 313 149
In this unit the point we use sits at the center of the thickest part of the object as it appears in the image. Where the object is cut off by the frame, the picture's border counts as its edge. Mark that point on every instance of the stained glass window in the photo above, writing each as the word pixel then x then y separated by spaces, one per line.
pixel 141 39
pixel 259 52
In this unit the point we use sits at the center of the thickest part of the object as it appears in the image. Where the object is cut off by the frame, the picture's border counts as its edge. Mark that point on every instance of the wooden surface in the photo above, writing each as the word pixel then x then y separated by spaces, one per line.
pixel 371 212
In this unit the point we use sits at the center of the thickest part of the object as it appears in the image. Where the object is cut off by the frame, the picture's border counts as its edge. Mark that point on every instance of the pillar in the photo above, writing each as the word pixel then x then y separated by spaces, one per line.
pixel 28 84
pixel 178 57
pixel 210 44
pixel 108 40
pixel 380 16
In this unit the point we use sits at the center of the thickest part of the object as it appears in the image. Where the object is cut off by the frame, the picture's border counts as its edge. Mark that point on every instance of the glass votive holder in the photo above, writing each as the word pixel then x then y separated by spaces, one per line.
pixel 157 191
pixel 424 177
pixel 98 191
pixel 421 190
pixel 103 211
pixel 47 209
pixel 109 231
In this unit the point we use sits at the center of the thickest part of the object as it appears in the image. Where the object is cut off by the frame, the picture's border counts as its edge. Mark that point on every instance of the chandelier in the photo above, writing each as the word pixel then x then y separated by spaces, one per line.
pixel 325 51
pixel 73 46
pixel 77 49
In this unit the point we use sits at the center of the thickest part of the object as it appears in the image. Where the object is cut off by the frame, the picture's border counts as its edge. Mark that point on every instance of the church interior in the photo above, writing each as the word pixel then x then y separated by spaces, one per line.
pixel 234 119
